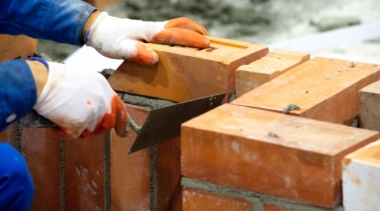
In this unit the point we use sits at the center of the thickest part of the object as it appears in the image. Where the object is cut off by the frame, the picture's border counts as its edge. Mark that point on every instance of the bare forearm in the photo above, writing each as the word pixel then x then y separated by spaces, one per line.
pixel 40 74
pixel 91 19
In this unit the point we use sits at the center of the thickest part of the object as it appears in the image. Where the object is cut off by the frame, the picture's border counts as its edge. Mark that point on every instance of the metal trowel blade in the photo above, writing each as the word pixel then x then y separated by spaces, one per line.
pixel 165 123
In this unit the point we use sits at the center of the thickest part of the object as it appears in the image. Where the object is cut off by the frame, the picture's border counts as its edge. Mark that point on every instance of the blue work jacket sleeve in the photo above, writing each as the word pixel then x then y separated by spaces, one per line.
pixel 58 20
pixel 18 92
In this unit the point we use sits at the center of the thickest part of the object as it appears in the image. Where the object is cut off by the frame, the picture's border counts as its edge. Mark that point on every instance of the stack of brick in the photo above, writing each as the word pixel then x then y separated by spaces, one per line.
pixel 246 155
pixel 252 158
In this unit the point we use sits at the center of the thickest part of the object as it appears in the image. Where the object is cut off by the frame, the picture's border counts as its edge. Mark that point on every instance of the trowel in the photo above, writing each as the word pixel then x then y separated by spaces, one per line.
pixel 162 123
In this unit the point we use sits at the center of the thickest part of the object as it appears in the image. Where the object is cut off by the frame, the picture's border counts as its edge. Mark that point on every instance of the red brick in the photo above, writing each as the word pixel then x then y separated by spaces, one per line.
pixel 12 47
pixel 85 173
pixel 332 90
pixel 232 146
pixel 196 200
pixel 41 149
pixel 101 3
pixel 277 62
pixel 185 73
pixel 169 191
pixel 369 106
pixel 3 136
pixel 130 174
pixel 12 131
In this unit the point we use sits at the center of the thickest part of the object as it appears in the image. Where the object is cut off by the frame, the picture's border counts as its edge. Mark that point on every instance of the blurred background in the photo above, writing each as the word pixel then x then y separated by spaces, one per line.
pixel 331 28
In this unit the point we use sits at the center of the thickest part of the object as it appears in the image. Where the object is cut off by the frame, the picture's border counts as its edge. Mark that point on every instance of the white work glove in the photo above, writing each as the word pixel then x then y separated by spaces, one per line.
pixel 81 103
pixel 122 38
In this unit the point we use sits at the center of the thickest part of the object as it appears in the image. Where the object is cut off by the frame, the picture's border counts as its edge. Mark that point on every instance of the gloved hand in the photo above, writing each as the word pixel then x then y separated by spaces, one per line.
pixel 122 38
pixel 81 103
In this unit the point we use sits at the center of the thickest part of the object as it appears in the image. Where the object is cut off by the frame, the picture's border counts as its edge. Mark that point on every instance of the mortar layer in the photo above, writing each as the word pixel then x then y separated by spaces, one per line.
pixel 257 199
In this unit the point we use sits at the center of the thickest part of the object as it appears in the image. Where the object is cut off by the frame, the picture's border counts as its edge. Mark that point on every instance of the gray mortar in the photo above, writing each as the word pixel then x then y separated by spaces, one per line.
pixel 290 107
pixel 19 137
pixel 153 179
pixel 107 171
pixel 107 72
pixel 257 200
pixel 62 174
pixel 149 102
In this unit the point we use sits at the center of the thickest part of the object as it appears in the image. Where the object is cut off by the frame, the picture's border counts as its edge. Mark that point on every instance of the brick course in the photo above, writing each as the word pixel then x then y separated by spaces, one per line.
pixel 324 89
pixel 236 146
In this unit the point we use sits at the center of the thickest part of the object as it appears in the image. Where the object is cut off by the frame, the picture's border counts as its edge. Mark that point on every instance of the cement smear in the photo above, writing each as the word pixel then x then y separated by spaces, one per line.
pixel 257 200
pixel 144 101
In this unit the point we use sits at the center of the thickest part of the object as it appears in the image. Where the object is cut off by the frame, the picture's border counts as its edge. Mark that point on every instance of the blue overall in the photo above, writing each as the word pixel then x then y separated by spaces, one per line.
pixel 58 20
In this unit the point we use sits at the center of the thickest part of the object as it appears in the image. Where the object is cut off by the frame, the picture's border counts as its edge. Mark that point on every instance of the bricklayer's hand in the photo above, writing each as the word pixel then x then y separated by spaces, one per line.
pixel 80 102
pixel 122 38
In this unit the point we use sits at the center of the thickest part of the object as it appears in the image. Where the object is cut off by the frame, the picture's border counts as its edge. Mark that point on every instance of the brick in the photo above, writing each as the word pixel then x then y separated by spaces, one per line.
pixel 3 136
pixel 13 131
pixel 370 106
pixel 194 200
pixel 332 90
pixel 100 4
pixel 130 174
pixel 185 73
pixel 235 146
pixel 169 191
pixel 12 47
pixel 85 173
pixel 41 149
pixel 361 173
pixel 277 62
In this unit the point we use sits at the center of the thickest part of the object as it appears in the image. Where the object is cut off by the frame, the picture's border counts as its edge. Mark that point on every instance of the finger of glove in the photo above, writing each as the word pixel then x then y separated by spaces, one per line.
pixel 186 23
pixel 105 124
pixel 144 55
pixel 62 132
pixel 179 36
pixel 121 117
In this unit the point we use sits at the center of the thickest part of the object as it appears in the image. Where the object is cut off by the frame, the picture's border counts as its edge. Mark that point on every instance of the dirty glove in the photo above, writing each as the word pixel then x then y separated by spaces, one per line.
pixel 81 103
pixel 122 38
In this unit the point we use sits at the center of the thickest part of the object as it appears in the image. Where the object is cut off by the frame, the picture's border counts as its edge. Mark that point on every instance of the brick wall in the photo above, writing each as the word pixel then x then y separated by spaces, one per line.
pixel 243 155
